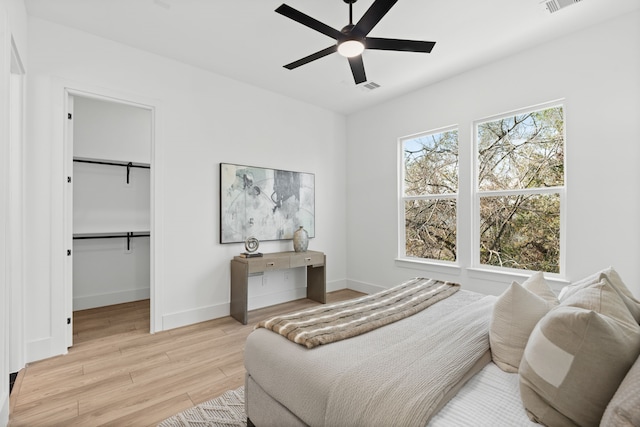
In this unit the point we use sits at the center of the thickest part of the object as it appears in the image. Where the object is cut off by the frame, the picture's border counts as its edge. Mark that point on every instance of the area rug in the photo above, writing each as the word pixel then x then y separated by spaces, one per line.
pixel 224 411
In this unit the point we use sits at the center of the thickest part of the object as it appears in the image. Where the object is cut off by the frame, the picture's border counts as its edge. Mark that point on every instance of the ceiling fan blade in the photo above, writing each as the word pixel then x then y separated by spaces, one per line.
pixel 357 69
pixel 308 21
pixel 372 16
pixel 398 44
pixel 320 54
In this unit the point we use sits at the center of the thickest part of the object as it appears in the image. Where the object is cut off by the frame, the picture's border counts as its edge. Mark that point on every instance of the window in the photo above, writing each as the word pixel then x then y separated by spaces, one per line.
pixel 520 188
pixel 513 197
pixel 429 194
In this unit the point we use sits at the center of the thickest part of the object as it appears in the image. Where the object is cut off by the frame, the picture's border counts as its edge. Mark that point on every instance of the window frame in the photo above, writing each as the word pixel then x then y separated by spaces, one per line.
pixel 477 194
pixel 402 199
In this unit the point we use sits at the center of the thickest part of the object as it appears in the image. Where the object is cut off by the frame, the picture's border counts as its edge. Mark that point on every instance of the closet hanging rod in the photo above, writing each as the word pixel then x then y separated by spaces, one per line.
pixel 104 162
pixel 128 236
pixel 128 165
pixel 109 235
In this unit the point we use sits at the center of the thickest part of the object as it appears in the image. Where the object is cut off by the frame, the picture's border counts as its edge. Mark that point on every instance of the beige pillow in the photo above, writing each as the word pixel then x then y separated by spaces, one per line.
pixel 624 408
pixel 514 316
pixel 577 356
pixel 616 281
pixel 539 286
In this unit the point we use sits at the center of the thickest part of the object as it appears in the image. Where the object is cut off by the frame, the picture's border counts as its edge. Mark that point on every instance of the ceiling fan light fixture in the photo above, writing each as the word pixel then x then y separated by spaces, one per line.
pixel 350 48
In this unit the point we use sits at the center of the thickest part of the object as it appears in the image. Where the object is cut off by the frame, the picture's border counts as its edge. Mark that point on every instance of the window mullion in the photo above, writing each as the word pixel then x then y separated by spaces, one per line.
pixel 536 190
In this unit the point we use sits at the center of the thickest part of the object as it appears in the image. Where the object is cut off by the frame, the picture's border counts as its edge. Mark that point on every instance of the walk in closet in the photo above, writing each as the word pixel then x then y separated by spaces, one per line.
pixel 111 204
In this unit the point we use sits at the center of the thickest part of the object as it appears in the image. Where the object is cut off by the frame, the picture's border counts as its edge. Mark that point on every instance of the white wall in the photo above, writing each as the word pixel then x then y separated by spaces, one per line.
pixel 106 272
pixel 13 26
pixel 596 72
pixel 103 202
pixel 206 119
pixel 111 131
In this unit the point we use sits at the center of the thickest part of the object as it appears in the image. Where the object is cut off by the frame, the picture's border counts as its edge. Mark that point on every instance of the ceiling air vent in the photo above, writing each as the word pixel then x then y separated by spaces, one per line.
pixel 555 5
pixel 371 85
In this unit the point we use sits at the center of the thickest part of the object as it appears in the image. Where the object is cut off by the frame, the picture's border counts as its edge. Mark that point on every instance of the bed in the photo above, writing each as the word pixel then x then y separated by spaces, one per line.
pixel 436 366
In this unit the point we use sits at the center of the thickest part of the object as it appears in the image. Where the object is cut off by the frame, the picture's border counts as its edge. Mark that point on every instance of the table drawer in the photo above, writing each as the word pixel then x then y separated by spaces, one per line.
pixel 303 259
pixel 257 265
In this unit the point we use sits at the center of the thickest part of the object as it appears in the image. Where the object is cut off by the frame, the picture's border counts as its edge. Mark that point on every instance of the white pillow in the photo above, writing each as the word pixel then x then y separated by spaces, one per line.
pixel 577 356
pixel 515 314
pixel 615 280
pixel 624 407
pixel 539 286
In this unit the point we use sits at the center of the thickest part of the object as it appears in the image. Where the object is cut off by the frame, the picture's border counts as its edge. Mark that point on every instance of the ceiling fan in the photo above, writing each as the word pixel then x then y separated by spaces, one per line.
pixel 352 40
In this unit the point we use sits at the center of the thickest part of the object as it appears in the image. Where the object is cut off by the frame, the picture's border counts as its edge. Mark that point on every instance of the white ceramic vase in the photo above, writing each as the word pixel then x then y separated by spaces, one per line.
pixel 300 240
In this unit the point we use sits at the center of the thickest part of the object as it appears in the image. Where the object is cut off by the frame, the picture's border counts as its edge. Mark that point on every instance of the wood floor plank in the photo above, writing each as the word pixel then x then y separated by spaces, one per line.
pixel 137 393
pixel 54 414
pixel 204 392
pixel 126 363
pixel 73 388
pixel 153 415
pixel 118 374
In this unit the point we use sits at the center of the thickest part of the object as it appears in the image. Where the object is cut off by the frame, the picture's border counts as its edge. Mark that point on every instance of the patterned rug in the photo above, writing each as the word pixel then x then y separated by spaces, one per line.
pixel 224 411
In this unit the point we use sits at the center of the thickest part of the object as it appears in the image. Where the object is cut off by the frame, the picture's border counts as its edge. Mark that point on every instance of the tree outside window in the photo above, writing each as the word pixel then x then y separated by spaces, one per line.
pixel 429 195
pixel 520 185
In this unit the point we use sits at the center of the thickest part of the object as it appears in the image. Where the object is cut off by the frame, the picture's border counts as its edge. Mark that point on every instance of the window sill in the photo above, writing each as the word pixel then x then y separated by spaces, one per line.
pixel 555 280
pixel 494 275
pixel 420 264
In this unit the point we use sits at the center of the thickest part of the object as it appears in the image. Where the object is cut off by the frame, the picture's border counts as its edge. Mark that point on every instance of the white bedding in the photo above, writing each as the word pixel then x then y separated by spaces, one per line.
pixel 490 395
pixel 375 392
pixel 301 380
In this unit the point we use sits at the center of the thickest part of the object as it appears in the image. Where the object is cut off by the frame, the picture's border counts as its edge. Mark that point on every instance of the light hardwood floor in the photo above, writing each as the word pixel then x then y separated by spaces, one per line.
pixel 118 374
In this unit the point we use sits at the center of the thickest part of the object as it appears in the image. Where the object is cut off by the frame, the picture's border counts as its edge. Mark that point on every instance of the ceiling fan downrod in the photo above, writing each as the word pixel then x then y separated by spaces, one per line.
pixel 350 3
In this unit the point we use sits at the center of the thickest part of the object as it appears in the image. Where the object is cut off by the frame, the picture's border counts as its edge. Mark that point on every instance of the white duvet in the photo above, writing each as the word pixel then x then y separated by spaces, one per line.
pixel 375 392
pixel 331 385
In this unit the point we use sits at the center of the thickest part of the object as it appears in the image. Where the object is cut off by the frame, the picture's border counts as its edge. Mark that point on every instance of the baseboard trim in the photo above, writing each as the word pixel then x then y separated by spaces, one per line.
pixel 189 317
pixel 337 285
pixel 101 300
pixel 202 314
pixel 364 287
pixel 42 348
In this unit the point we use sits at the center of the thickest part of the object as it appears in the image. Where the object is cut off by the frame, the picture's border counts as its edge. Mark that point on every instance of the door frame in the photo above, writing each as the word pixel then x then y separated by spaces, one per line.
pixel 16 235
pixel 4 214
pixel 62 207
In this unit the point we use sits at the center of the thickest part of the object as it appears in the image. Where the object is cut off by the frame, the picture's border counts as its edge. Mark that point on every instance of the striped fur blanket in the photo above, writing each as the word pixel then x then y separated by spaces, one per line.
pixel 335 322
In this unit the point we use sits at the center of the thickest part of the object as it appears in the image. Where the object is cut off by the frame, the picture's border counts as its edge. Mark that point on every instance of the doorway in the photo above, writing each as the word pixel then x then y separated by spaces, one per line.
pixel 109 213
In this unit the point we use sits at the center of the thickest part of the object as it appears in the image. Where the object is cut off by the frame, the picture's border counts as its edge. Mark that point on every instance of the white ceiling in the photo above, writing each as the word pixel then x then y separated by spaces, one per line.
pixel 247 41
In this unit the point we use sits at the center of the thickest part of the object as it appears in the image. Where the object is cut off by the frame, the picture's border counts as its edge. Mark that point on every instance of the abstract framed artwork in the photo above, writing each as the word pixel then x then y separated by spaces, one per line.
pixel 268 204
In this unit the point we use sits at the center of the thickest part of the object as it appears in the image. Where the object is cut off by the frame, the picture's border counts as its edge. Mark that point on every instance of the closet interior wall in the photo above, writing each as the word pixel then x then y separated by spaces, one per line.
pixel 111 203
